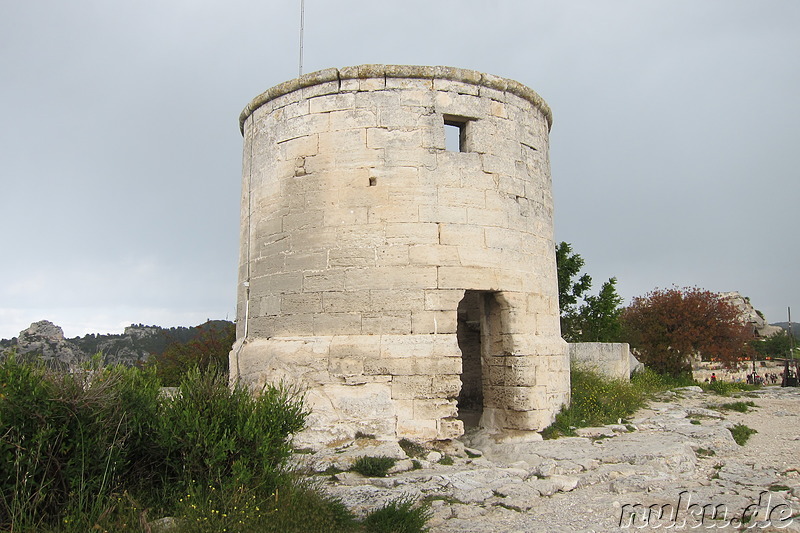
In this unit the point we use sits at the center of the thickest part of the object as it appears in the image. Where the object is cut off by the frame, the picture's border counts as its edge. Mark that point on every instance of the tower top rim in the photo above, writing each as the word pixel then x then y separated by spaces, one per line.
pixel 469 76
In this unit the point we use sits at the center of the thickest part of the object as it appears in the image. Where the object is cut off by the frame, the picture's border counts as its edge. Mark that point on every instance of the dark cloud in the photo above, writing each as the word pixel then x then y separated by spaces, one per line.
pixel 672 147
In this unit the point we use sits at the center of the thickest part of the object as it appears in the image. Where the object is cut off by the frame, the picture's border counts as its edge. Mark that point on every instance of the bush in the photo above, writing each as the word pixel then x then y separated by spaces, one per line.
pixel 219 436
pixel 373 466
pixel 398 516
pixel 68 441
pixel 741 433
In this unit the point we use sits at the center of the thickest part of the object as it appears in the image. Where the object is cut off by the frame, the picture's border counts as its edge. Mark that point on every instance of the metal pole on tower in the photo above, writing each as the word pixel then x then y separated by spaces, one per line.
pixel 302 21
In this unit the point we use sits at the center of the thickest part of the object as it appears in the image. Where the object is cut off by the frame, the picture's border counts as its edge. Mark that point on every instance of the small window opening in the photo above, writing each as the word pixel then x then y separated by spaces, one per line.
pixel 455 133
pixel 373 181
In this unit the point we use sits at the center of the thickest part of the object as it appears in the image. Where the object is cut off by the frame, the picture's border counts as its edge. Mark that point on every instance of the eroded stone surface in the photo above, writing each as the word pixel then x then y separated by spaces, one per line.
pixel 590 484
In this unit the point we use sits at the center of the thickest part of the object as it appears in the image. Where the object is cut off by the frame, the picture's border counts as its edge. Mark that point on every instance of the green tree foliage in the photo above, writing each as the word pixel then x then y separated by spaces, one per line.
pixel 585 318
pixel 778 345
pixel 210 348
pixel 669 327
pixel 598 320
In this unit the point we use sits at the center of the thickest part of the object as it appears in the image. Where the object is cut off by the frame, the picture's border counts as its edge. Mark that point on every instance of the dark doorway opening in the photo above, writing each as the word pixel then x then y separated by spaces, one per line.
pixel 478 332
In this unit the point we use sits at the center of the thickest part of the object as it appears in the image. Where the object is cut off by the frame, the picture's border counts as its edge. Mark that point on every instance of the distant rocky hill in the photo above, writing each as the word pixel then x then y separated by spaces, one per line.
pixel 785 325
pixel 45 341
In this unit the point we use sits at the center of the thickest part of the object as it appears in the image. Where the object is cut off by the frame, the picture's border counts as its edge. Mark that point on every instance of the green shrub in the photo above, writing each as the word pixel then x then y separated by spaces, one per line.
pixel 101 450
pixel 69 441
pixel 412 449
pixel 741 433
pixel 741 407
pixel 398 516
pixel 373 466
pixel 726 388
pixel 227 437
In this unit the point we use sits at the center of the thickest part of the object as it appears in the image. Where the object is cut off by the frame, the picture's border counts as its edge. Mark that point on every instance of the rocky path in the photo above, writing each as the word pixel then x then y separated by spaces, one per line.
pixel 674 465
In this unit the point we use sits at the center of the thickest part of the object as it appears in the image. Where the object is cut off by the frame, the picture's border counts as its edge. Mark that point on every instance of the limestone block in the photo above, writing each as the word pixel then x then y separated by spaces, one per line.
pixel 434 254
pixel 450 428
pixel 337 324
pixel 434 408
pixel 349 119
pixel 433 322
pixel 443 299
pixel 417 430
pixel 408 116
pixel 396 300
pixel 332 102
pixel 307 302
pixel 466 197
pixel 411 387
pixel 487 217
pixel 269 305
pixel 324 281
pixel 266 266
pixel 351 257
pixel 386 322
pixel 461 234
pixel 514 398
pixel 390 278
pixel 464 277
pixel 354 346
pixel 343 141
pixel 393 255
pixel 395 177
pixel 510 375
pixel 439 213
pixel 405 346
pixel 277 283
pixel 345 216
pixel 344 301
pixel 412 366
pixel 393 138
pixel 446 386
pixel 345 366
pixel 298 147
pixel 403 214
pixel 315 260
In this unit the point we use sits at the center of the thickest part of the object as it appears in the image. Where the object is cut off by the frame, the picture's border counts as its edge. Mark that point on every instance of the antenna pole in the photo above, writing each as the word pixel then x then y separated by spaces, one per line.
pixel 791 334
pixel 302 20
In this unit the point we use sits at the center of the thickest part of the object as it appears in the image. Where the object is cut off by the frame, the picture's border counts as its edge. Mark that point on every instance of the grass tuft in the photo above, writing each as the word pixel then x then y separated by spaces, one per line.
pixel 373 466
pixel 741 433
pixel 398 516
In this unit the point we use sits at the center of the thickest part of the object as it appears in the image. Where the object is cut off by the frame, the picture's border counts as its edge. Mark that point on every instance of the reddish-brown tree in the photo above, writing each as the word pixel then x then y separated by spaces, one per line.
pixel 669 327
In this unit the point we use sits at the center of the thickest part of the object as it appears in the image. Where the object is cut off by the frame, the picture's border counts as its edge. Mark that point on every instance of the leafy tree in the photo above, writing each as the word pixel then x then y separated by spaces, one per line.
pixel 210 348
pixel 670 327
pixel 568 266
pixel 585 318
pixel 598 319
pixel 778 345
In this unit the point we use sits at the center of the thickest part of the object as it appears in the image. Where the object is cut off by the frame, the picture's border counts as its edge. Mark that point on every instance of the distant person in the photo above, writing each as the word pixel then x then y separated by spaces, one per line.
pixel 713 377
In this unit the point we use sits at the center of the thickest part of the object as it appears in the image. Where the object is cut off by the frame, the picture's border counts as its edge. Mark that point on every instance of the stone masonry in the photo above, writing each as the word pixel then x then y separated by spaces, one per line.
pixel 407 284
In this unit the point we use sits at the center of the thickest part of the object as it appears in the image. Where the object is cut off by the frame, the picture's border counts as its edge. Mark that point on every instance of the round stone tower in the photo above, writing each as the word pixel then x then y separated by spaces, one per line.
pixel 397 255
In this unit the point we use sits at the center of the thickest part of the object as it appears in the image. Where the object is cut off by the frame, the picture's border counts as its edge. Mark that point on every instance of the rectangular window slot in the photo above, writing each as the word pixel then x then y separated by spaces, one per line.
pixel 455 133
pixel 373 181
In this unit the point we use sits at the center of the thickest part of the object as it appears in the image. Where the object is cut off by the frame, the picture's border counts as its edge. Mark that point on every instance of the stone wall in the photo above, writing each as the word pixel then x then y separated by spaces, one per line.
pixel 366 244
pixel 611 359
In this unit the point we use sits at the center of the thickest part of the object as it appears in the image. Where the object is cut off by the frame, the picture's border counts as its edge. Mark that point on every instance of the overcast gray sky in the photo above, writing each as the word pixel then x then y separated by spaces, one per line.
pixel 676 124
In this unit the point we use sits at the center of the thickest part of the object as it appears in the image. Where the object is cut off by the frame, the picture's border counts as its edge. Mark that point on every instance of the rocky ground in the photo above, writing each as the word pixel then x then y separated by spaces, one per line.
pixel 673 465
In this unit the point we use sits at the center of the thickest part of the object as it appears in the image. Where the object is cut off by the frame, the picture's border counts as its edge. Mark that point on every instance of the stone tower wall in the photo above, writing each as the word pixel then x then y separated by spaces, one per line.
pixel 361 233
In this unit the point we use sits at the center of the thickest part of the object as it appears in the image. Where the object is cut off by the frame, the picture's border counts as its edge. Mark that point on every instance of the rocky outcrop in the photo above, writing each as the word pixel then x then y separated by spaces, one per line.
pixel 676 454
pixel 45 341
pixel 749 314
